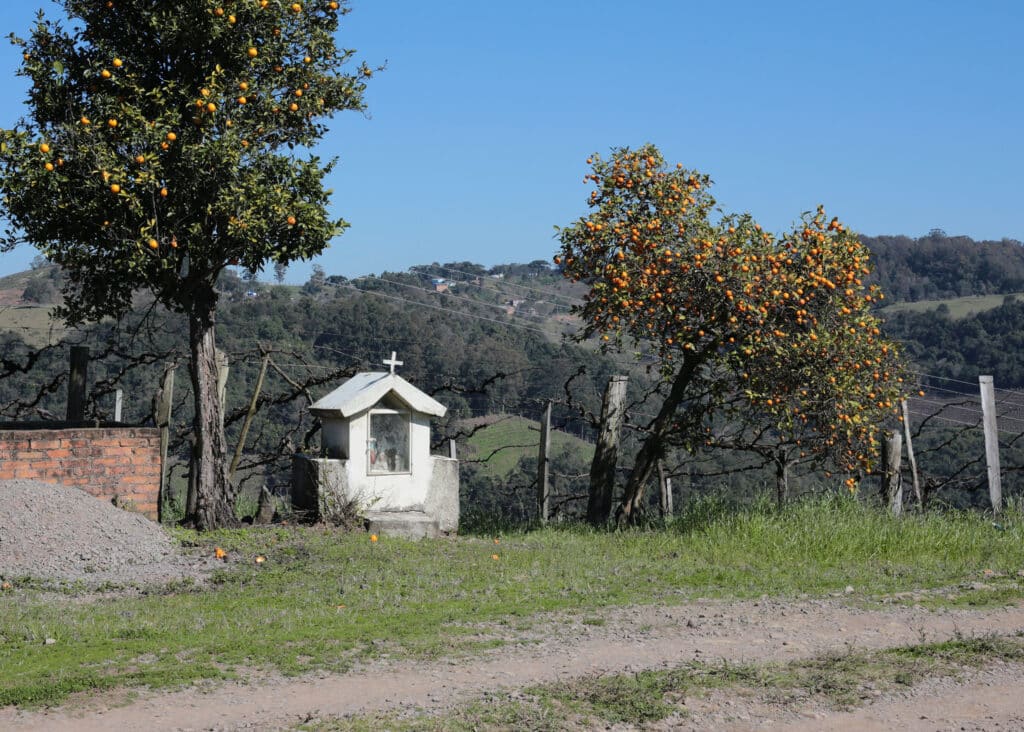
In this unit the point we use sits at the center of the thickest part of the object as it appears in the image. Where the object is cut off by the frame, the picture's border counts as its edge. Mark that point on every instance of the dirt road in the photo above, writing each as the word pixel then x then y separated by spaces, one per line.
pixel 615 640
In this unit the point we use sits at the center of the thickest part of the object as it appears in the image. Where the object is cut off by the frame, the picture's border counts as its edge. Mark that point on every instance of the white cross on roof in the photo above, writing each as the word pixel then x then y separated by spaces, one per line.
pixel 392 362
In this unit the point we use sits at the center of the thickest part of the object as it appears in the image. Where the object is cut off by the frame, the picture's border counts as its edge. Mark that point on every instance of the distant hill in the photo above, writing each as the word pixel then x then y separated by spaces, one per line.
pixel 937 266
pixel 26 302
pixel 507 439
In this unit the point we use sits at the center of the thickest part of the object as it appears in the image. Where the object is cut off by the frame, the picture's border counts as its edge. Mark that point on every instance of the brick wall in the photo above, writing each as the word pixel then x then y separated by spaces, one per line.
pixel 106 462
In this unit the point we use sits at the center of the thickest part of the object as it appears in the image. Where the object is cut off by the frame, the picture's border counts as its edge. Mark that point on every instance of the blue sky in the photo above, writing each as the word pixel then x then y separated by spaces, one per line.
pixel 899 116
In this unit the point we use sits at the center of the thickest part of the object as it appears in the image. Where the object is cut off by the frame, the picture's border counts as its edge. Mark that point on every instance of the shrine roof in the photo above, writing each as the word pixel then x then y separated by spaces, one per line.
pixel 364 390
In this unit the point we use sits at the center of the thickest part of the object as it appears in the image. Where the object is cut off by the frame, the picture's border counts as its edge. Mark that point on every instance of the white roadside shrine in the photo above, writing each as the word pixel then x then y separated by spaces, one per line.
pixel 375 459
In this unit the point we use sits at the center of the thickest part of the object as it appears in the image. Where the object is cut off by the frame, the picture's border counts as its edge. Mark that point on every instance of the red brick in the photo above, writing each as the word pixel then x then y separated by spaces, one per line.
pixel 44 444
pixel 137 479
pixel 60 454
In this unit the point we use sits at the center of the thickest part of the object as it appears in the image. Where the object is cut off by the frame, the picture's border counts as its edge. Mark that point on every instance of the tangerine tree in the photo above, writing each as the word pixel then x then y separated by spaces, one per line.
pixel 161 147
pixel 742 322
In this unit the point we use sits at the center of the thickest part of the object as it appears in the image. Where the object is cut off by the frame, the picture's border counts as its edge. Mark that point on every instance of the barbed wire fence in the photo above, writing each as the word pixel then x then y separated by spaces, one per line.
pixel 966 457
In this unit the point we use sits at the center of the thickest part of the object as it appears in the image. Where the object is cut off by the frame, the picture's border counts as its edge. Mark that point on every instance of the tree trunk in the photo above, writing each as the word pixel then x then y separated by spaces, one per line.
pixel 211 502
pixel 653 448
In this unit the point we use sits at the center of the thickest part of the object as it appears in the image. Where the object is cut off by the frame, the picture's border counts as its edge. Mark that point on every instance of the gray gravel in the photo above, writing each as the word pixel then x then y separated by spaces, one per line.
pixel 61 534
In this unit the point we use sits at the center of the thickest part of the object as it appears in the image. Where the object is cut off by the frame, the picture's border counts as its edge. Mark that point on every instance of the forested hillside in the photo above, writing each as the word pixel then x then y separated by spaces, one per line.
pixel 937 266
pixel 486 342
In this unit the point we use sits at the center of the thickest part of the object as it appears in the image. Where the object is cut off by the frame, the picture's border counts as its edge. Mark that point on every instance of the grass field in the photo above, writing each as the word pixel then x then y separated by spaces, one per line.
pixel 511 438
pixel 959 307
pixel 324 599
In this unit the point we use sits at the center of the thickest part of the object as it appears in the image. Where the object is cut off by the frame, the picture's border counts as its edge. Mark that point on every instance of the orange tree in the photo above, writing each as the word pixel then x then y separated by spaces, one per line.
pixel 160 147
pixel 776 330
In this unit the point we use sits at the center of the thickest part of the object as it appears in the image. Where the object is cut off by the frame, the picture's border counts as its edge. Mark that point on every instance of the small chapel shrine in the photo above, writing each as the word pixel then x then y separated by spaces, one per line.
pixel 375 456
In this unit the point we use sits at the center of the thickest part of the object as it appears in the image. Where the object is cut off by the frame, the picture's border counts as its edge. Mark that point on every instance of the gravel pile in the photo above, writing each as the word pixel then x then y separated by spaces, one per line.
pixel 57 533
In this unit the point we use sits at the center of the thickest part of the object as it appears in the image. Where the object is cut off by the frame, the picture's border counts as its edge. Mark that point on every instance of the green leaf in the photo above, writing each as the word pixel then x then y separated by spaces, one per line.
pixel 58 67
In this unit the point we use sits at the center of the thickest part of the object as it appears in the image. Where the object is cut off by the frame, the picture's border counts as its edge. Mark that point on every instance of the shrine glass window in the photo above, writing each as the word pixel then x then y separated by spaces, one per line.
pixel 388 443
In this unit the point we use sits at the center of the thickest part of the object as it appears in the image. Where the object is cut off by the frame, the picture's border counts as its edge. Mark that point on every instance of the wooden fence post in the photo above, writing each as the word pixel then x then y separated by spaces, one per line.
pixel 543 482
pixel 988 416
pixel 606 452
pixel 76 383
pixel 222 381
pixel 665 485
pixel 163 423
pixel 452 453
pixel 892 483
pixel 910 455
pixel 248 415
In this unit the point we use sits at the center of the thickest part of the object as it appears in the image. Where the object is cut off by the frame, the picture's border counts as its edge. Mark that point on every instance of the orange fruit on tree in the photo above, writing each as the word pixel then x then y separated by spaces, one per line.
pixel 44 148
pixel 253 53
pixel 153 244
pixel 291 221
pixel 296 8
pixel 171 136
pixel 163 192
pixel 211 107
pixel 112 122
pixel 243 85
pixel 115 188
pixel 49 167
pixel 242 100
pixel 140 159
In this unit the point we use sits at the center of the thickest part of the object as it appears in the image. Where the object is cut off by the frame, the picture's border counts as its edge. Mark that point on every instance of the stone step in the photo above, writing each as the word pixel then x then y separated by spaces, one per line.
pixel 402 524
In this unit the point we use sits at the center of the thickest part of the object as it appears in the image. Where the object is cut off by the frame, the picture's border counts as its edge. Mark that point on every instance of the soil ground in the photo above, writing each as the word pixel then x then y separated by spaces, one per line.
pixel 558 647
